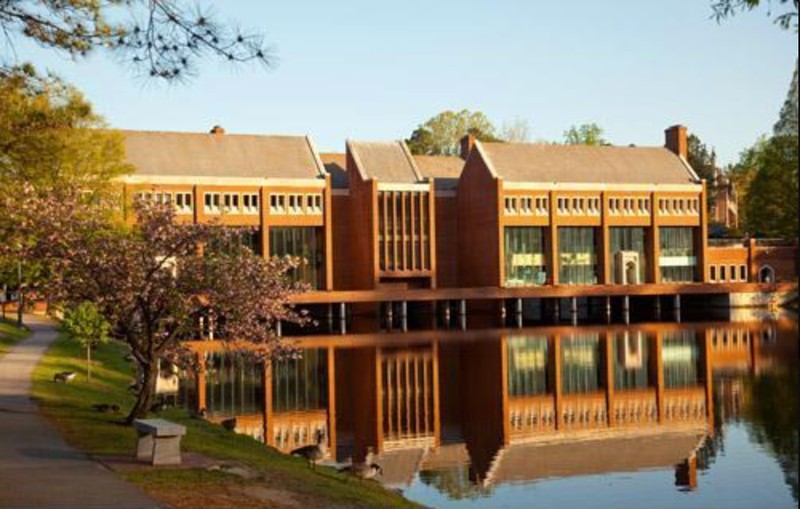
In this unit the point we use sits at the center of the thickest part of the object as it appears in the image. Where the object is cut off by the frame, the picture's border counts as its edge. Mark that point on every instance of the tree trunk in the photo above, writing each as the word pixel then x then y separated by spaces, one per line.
pixel 147 389
pixel 89 362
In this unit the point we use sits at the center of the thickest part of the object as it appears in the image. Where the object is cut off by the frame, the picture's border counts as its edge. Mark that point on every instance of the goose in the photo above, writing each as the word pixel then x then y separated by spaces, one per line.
pixel 313 453
pixel 363 470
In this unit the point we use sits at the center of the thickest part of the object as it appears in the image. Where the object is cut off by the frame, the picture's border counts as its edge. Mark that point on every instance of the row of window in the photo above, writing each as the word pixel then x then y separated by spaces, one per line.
pixel 728 273
pixel 295 203
pixel 578 206
pixel 230 203
pixel 526 205
pixel 629 206
pixel 678 206
pixel 182 200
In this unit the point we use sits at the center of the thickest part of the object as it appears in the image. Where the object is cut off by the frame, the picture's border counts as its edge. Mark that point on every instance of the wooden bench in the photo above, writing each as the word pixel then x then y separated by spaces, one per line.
pixel 159 441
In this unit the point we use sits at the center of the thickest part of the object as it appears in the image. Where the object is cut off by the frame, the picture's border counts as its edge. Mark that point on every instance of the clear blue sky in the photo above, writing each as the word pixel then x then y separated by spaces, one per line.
pixel 367 69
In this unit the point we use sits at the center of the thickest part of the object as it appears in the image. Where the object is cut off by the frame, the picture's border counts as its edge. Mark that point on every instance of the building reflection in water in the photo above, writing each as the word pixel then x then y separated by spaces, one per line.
pixel 467 410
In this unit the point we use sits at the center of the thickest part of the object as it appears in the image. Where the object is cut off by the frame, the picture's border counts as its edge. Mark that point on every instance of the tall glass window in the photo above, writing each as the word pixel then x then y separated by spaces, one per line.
pixel 233 385
pixel 580 364
pixel 528 372
pixel 632 240
pixel 301 384
pixel 525 256
pixel 677 260
pixel 631 357
pixel 305 243
pixel 681 356
pixel 577 256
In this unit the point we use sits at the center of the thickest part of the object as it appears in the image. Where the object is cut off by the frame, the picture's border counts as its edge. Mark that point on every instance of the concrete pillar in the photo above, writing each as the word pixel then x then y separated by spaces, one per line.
pixel 447 313
pixel 518 312
pixel 573 310
pixel 626 309
pixel 389 315
pixel 342 318
pixel 404 316
pixel 330 318
pixel 278 329
pixel 462 314
pixel 677 305
pixel 608 309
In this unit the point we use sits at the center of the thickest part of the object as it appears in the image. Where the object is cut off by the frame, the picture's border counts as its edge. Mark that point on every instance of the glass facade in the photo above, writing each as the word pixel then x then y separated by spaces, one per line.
pixel 681 356
pixel 528 373
pixel 581 368
pixel 577 256
pixel 525 256
pixel 302 383
pixel 631 360
pixel 627 239
pixel 677 259
pixel 233 385
pixel 306 243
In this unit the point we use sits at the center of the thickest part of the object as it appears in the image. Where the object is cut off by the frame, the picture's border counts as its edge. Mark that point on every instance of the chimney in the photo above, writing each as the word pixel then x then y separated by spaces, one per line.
pixel 467 142
pixel 675 140
pixel 217 129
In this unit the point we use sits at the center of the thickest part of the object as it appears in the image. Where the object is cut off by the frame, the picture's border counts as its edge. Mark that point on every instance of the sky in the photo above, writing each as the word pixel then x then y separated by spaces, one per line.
pixel 375 70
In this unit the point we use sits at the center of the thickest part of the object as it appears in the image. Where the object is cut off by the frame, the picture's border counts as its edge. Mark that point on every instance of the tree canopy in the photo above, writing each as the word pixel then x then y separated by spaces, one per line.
pixel 785 17
pixel 163 39
pixel 151 282
pixel 585 134
pixel 441 134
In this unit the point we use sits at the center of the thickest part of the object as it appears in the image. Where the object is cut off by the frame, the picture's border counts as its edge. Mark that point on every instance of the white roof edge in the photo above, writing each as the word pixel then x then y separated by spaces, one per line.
pixel 689 168
pixel 350 147
pixel 412 162
pixel 315 155
pixel 479 148
pixel 220 181
pixel 591 186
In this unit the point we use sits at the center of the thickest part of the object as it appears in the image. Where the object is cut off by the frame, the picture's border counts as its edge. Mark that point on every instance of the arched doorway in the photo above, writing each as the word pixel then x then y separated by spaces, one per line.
pixel 766 274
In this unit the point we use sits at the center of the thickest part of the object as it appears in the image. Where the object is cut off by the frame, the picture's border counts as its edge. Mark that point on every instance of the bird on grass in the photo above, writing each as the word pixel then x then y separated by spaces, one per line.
pixel 363 470
pixel 313 453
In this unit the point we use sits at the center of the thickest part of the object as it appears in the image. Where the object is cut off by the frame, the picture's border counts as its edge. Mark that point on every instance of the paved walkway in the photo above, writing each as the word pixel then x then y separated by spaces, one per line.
pixel 37 468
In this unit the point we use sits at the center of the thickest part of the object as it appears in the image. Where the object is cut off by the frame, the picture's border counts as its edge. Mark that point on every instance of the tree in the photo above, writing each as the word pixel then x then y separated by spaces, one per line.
pixel 515 131
pixel 585 134
pixel 724 9
pixel 152 283
pixel 787 120
pixel 50 139
pixel 767 179
pixel 163 39
pixel 441 134
pixel 85 324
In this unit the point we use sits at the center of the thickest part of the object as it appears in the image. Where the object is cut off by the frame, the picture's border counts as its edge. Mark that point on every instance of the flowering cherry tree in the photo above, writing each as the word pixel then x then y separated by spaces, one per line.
pixel 151 281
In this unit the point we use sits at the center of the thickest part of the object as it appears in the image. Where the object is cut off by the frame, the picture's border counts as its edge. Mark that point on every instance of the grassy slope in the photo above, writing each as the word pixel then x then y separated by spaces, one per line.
pixel 69 408
pixel 10 334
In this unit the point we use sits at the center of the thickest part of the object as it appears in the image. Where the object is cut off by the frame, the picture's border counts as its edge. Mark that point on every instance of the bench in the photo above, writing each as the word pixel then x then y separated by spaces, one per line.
pixel 159 441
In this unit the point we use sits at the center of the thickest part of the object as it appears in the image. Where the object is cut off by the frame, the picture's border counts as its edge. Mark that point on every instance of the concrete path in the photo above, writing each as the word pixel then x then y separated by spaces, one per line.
pixel 37 468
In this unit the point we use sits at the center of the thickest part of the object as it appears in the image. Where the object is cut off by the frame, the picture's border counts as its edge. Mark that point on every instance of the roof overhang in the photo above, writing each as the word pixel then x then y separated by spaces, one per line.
pixel 171 180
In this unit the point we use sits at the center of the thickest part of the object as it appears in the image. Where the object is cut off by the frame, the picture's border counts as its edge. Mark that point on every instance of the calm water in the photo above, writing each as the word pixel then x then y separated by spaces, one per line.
pixel 691 414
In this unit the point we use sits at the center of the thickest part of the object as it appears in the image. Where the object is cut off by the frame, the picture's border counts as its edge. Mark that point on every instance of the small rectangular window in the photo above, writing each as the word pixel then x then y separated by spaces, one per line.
pixel 742 273
pixel 732 272
pixel 722 275
pixel 713 274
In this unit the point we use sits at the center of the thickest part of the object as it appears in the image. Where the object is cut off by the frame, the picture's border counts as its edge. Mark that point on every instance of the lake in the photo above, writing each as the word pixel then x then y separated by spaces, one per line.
pixel 697 412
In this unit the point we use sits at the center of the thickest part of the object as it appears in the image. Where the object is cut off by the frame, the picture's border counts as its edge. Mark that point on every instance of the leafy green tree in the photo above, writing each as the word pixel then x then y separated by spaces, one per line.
pixel 585 134
pixel 785 17
pixel 767 176
pixel 50 140
pixel 163 39
pixel 787 120
pixel 85 324
pixel 441 134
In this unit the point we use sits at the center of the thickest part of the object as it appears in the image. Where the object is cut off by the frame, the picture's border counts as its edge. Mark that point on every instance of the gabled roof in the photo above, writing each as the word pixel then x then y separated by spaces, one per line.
pixel 389 162
pixel 445 170
pixel 336 166
pixel 593 456
pixel 222 155
pixel 528 162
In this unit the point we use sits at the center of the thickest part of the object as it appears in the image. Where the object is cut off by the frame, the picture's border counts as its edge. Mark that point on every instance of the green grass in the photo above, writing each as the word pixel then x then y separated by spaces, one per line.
pixel 69 407
pixel 10 334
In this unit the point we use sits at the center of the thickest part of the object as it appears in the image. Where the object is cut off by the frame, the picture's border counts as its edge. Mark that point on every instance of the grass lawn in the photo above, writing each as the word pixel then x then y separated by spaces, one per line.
pixel 69 407
pixel 10 334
